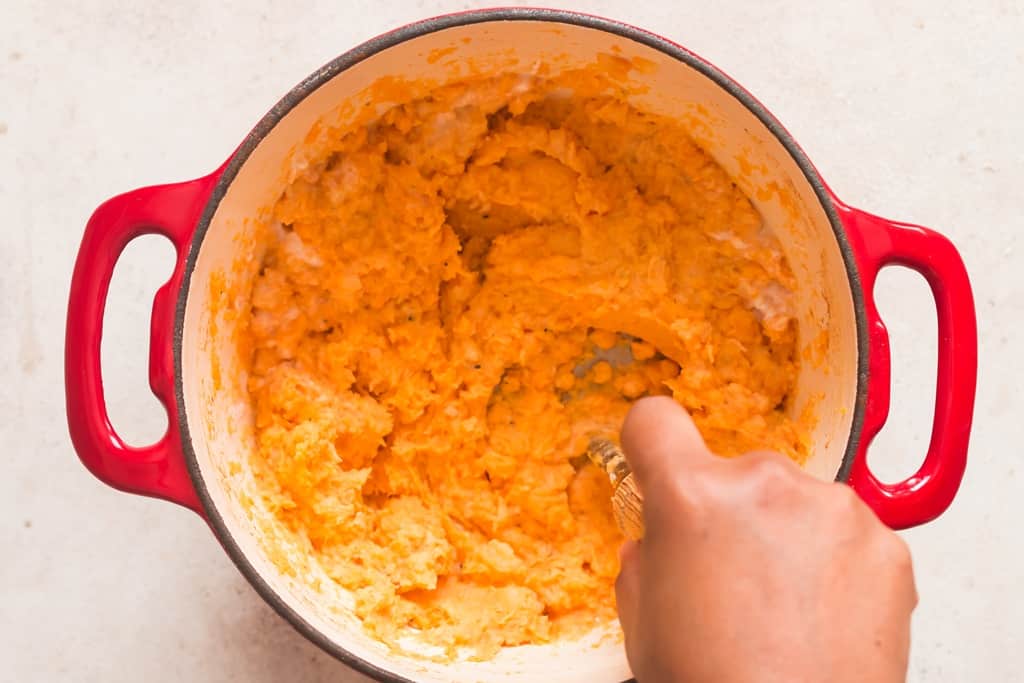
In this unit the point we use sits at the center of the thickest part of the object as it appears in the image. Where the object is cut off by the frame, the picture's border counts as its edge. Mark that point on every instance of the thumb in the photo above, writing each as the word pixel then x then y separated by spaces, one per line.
pixel 658 438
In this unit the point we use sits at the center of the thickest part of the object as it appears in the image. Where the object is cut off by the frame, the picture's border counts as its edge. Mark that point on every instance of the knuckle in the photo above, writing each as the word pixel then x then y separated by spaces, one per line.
pixel 769 475
pixel 845 501
pixel 680 499
pixel 845 509
pixel 898 552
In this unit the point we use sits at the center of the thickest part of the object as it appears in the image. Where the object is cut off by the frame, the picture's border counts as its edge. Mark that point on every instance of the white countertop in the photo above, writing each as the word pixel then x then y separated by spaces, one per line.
pixel 911 109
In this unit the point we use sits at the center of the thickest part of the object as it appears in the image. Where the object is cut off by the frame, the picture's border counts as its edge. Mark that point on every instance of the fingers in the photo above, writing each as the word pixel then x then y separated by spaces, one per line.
pixel 627 586
pixel 658 437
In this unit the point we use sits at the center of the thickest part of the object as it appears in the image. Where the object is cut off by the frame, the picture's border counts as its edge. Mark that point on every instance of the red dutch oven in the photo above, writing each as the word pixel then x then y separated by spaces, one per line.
pixel 835 251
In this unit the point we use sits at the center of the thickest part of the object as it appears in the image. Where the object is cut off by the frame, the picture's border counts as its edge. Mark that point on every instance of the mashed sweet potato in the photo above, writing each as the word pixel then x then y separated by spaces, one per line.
pixel 455 298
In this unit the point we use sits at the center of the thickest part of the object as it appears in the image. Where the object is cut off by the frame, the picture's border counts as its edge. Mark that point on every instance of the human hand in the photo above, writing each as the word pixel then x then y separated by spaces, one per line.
pixel 751 570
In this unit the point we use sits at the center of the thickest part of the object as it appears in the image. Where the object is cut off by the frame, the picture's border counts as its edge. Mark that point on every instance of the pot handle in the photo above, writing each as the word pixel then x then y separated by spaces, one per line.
pixel 158 469
pixel 928 492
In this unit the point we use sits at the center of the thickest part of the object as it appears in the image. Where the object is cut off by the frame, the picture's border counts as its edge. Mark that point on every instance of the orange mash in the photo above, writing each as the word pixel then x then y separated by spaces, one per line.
pixel 455 298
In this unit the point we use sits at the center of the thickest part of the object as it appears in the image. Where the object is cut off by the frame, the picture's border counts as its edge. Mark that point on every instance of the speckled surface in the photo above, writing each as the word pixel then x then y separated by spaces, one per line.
pixel 909 109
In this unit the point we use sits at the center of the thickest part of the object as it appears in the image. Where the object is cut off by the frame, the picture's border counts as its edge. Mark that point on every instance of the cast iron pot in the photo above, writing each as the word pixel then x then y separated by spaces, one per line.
pixel 836 252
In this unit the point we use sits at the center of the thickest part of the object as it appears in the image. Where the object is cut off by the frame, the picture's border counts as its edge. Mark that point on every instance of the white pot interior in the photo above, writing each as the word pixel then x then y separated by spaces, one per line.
pixel 217 405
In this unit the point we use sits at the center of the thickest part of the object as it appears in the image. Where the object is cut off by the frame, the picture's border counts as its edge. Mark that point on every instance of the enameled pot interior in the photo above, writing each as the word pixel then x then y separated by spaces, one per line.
pixel 217 411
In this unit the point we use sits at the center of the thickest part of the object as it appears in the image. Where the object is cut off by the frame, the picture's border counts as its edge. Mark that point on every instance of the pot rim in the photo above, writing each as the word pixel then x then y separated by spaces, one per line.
pixel 383 42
